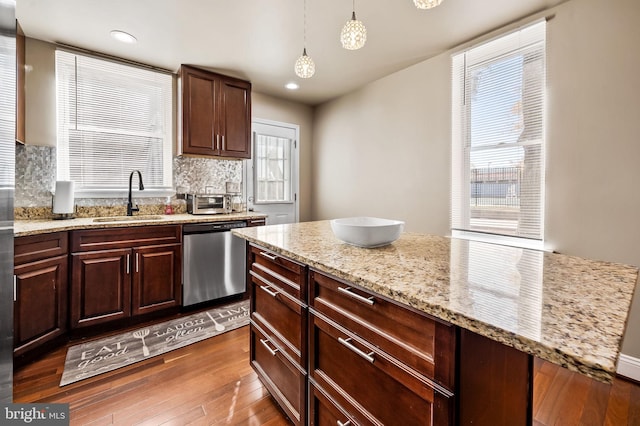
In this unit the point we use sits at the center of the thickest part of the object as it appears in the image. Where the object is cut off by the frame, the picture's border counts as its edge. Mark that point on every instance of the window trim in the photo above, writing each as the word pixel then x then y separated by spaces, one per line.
pixel 461 150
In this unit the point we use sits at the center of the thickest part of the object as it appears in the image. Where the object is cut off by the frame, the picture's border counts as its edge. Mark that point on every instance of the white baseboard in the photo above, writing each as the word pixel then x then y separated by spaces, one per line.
pixel 629 366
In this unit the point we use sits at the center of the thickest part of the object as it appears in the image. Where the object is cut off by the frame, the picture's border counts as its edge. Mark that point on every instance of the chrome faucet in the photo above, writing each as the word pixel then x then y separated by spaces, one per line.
pixel 130 208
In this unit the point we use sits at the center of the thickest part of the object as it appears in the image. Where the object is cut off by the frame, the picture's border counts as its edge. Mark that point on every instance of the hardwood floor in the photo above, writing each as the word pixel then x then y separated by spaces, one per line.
pixel 211 383
pixel 208 383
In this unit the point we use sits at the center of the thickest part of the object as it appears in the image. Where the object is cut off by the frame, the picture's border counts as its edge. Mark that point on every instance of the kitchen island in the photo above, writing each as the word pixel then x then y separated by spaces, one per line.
pixel 563 309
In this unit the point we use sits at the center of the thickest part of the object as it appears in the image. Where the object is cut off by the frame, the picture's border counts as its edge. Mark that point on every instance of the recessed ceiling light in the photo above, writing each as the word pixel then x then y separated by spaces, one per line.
pixel 292 86
pixel 123 37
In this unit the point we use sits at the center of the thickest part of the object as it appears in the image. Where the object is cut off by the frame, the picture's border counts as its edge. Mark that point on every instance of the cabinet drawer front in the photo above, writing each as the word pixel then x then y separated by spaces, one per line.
pixel 114 238
pixel 285 382
pixel 323 411
pixel 280 314
pixel 285 273
pixel 32 248
pixel 407 335
pixel 380 390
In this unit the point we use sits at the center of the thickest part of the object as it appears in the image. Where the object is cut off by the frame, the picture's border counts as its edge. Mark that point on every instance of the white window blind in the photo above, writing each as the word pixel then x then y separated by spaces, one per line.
pixel 498 135
pixel 7 109
pixel 112 119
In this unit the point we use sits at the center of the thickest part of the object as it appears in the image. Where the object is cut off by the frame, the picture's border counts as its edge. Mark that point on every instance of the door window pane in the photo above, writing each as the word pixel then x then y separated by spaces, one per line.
pixel 272 169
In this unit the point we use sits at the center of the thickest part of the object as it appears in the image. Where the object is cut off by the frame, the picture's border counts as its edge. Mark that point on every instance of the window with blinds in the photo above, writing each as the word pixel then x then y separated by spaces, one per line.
pixel 113 118
pixel 498 136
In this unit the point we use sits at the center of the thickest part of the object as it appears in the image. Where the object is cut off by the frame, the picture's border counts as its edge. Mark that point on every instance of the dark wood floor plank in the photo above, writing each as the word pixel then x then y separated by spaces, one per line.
pixel 618 406
pixel 595 406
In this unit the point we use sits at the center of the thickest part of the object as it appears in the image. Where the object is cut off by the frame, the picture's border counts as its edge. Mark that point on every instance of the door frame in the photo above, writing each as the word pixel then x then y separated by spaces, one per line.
pixel 295 159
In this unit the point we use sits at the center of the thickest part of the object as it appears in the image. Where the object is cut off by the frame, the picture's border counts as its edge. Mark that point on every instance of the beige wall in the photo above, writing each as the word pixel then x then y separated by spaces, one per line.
pixel 384 150
pixel 270 108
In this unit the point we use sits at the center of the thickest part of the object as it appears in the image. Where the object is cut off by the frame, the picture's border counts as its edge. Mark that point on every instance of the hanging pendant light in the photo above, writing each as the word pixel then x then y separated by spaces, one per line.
pixel 304 67
pixel 354 33
pixel 426 4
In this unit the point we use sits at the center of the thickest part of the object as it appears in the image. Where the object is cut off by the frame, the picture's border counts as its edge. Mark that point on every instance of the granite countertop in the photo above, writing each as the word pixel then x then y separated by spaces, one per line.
pixel 567 310
pixel 34 227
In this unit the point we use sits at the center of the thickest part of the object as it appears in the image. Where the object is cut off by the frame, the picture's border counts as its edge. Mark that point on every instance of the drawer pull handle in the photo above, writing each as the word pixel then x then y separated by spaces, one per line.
pixel 271 351
pixel 348 292
pixel 347 342
pixel 347 423
pixel 268 256
pixel 269 292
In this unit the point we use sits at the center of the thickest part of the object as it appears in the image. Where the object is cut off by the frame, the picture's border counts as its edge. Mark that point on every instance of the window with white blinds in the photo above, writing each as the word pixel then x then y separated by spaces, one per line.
pixel 113 118
pixel 498 136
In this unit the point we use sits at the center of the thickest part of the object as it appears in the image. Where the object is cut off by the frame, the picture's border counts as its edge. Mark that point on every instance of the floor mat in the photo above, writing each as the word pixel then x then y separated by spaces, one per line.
pixel 100 356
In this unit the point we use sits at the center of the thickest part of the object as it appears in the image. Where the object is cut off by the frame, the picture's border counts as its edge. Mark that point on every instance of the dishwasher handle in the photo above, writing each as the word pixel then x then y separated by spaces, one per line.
pixel 202 228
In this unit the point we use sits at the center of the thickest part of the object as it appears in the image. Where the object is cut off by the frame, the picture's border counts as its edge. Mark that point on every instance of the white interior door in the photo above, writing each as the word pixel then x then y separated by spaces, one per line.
pixel 271 175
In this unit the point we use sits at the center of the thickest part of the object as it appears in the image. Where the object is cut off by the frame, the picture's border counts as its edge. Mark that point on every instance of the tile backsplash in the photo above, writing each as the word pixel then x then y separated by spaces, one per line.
pixel 36 177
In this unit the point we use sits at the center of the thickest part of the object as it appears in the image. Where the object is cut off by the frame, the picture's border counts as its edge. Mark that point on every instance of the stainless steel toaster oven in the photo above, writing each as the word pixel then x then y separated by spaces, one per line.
pixel 208 203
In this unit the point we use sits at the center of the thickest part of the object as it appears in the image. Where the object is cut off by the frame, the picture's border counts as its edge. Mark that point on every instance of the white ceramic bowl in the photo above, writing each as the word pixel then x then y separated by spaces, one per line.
pixel 367 231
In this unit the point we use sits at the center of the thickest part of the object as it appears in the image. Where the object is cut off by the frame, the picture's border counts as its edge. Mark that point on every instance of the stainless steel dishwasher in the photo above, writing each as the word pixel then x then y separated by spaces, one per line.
pixel 213 262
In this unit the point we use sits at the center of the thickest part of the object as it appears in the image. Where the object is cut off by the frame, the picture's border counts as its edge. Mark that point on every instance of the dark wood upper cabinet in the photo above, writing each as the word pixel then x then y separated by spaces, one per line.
pixel 215 113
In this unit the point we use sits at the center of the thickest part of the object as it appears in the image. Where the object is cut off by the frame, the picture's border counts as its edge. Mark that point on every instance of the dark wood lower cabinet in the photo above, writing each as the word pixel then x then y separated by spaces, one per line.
pixel 373 361
pixel 40 310
pixel 41 291
pixel 124 272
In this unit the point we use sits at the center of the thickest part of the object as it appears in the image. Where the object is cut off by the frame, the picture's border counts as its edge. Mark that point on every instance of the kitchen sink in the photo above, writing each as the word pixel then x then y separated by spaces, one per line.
pixel 126 218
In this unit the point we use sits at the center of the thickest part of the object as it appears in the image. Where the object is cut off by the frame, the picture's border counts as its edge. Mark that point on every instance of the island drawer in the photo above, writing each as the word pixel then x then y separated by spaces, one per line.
pixel 323 411
pixel 371 386
pixel 283 272
pixel 280 315
pixel 285 381
pixel 419 341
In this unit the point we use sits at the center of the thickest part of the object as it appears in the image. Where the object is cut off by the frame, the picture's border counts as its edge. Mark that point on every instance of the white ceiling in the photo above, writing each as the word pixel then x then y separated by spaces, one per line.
pixel 259 40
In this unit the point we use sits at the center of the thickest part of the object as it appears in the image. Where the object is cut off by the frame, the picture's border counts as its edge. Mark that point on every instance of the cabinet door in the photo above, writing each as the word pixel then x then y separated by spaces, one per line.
pixel 100 287
pixel 40 310
pixel 198 112
pixel 156 278
pixel 235 118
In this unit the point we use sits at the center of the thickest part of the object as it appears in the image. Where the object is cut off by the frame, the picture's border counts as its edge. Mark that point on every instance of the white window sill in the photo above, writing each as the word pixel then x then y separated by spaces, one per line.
pixel 501 239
